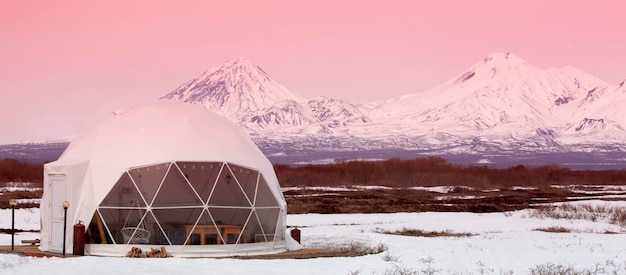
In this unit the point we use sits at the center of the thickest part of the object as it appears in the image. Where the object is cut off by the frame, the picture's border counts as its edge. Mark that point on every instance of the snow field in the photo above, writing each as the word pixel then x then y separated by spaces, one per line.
pixel 502 243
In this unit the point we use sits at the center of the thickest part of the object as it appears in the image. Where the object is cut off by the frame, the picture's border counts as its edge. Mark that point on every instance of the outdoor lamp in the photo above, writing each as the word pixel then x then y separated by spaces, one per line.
pixel 13 204
pixel 66 205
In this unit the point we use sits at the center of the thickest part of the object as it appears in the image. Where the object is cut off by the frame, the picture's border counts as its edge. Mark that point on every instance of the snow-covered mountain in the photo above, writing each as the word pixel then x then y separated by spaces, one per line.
pixel 600 116
pixel 246 95
pixel 234 90
pixel 320 115
pixel 612 105
pixel 500 103
pixel 501 95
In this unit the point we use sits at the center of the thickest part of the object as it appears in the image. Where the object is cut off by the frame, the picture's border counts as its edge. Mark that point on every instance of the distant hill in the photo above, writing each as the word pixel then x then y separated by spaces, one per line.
pixel 40 152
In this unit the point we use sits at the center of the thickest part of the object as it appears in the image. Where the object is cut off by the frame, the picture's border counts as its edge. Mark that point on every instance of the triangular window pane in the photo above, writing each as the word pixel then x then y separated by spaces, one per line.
pixel 155 235
pixel 123 194
pixel 201 175
pixel 149 178
pixel 136 232
pixel 268 219
pixel 204 233
pixel 230 222
pixel 253 230
pixel 227 191
pixel 96 232
pixel 114 219
pixel 247 179
pixel 264 197
pixel 175 222
pixel 175 191
pixel 280 236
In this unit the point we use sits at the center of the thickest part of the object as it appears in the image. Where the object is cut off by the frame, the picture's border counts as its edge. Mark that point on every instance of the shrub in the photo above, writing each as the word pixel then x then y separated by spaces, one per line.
pixel 358 248
pixel 613 214
pixel 552 269
pixel 421 233
pixel 388 257
pixel 399 270
pixel 554 229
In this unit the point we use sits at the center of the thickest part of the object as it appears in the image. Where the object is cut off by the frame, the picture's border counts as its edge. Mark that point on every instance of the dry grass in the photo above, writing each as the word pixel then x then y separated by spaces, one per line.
pixel 360 249
pixel 423 233
pixel 612 214
pixel 607 267
pixel 354 248
pixel 554 229
pixel 390 200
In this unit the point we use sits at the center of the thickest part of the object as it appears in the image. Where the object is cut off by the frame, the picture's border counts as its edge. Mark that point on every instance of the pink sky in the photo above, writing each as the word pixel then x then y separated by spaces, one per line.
pixel 64 65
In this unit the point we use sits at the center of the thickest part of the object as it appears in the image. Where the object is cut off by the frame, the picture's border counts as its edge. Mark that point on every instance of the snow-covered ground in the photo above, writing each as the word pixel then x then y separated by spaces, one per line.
pixel 503 243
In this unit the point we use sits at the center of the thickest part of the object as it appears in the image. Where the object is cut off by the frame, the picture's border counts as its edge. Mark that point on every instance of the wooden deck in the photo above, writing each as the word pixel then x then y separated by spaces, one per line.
pixel 33 250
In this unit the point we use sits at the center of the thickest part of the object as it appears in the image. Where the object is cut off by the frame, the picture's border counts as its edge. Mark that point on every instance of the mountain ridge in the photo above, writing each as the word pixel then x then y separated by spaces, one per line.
pixel 502 100
pixel 501 110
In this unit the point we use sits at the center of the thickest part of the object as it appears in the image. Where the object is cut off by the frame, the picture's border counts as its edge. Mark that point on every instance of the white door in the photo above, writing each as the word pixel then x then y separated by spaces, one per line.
pixel 57 186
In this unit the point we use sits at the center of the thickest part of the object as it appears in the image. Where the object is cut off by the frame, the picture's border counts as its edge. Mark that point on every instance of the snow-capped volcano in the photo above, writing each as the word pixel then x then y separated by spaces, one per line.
pixel 500 90
pixel 234 89
pixel 500 103
pixel 246 95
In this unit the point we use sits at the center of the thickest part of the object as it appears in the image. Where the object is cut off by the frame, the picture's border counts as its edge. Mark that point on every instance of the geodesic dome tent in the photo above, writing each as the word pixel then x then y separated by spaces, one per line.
pixel 166 174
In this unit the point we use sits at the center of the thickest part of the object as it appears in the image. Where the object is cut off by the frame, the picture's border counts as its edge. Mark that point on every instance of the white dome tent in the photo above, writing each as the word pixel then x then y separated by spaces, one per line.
pixel 165 174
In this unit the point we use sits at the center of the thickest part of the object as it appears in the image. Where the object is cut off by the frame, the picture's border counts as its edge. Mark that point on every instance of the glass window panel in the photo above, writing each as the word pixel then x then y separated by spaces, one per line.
pixel 268 219
pixel 186 185
pixel 232 216
pixel 123 194
pixel 114 219
pixel 253 231
pixel 156 236
pixel 149 178
pixel 280 236
pixel 247 179
pixel 177 222
pixel 96 232
pixel 264 197
pixel 205 232
pixel 175 191
pixel 134 229
pixel 201 175
pixel 230 221
pixel 227 192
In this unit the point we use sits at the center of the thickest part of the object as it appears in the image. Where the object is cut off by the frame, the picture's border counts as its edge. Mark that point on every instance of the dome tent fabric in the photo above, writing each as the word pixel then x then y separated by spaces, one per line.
pixel 165 174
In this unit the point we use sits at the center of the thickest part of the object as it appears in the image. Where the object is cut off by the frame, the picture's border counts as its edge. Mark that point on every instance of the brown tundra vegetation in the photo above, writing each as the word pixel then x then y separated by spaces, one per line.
pixel 19 171
pixel 407 186
pixel 426 184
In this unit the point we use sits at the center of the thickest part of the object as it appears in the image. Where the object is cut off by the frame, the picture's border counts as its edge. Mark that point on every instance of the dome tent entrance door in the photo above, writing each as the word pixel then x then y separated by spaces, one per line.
pixel 58 189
